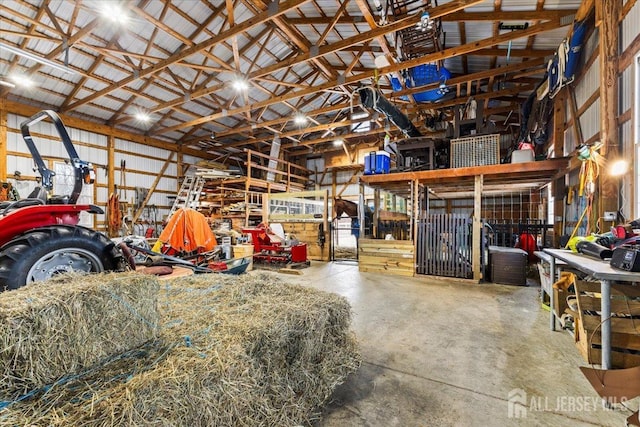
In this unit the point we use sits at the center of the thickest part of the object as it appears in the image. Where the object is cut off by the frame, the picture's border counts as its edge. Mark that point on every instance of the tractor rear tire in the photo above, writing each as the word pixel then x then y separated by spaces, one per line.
pixel 48 251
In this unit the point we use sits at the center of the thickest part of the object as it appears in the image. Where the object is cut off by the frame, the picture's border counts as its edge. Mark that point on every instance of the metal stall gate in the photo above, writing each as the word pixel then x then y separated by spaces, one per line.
pixel 443 246
pixel 344 239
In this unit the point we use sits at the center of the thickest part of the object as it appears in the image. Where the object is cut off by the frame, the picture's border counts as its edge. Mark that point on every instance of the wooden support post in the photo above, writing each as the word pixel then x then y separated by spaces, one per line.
pixel 476 248
pixel 247 208
pixel 362 202
pixel 325 223
pixel 334 185
pixel 265 208
pixel 376 212
pixel 179 167
pixel 415 210
pixel 577 129
pixel 559 122
pixel 3 139
pixel 559 189
pixel 607 13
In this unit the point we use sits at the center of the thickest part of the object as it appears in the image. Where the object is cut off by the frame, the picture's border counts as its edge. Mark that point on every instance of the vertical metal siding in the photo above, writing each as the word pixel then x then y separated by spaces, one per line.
pixel 589 83
pixel 590 120
pixel 626 183
pixel 591 44
pixel 630 26
pixel 569 141
pixel 626 89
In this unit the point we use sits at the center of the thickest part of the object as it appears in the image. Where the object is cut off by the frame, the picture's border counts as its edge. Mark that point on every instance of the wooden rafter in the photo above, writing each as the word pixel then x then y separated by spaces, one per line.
pixel 294 62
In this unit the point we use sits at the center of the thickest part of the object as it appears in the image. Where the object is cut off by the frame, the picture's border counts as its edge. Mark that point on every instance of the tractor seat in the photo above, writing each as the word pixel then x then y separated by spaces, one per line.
pixel 38 193
pixel 37 197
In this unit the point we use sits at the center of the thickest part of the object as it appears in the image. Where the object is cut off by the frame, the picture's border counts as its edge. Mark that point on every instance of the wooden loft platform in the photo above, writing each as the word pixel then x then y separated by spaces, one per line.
pixel 263 174
pixel 458 183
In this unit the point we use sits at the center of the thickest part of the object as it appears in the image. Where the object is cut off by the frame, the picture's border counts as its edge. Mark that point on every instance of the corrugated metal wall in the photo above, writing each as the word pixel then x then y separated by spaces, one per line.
pixel 590 120
pixel 627 181
pixel 628 87
pixel 142 164
pixel 630 26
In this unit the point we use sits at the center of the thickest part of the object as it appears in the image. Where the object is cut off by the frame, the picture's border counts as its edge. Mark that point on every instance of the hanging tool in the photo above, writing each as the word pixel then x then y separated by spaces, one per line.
pixel 122 197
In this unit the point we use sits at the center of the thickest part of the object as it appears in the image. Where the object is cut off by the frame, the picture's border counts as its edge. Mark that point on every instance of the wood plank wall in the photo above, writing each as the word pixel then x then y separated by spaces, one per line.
pixel 386 256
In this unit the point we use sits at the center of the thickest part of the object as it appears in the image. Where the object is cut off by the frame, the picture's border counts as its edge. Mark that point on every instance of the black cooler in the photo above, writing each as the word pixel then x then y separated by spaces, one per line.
pixel 508 265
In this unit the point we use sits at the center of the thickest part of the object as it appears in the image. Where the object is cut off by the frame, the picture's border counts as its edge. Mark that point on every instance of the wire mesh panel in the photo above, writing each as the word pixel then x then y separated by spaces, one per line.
pixel 444 245
pixel 475 151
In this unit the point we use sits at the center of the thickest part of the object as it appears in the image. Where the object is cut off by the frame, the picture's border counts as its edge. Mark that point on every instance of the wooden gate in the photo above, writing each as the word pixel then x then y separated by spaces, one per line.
pixel 443 246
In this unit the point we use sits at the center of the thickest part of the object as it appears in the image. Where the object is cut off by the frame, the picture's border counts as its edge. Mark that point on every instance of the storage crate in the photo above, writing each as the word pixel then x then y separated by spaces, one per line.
pixel 625 324
pixel 508 265
pixel 475 151
pixel 242 251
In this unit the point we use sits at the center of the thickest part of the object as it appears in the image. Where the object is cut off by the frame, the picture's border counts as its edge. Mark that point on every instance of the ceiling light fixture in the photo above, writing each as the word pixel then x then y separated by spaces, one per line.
pixel 300 119
pixel 114 12
pixel 36 58
pixel 143 117
pixel 22 80
pixel 338 142
pixel 240 84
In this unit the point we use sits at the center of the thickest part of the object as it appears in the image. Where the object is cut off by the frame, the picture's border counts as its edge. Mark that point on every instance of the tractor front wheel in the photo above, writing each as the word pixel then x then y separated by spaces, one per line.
pixel 45 252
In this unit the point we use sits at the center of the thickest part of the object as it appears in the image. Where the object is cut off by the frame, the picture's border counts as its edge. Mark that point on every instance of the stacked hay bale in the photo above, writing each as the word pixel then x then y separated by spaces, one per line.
pixel 247 350
pixel 52 331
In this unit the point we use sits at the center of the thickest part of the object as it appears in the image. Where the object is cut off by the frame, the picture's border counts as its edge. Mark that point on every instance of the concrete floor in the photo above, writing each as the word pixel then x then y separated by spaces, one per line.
pixel 445 353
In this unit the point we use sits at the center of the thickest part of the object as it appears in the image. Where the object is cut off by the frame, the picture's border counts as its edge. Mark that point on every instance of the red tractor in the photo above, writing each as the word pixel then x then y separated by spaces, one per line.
pixel 40 236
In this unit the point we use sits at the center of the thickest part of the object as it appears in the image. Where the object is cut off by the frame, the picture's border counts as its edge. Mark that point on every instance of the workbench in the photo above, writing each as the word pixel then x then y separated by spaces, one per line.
pixel 603 272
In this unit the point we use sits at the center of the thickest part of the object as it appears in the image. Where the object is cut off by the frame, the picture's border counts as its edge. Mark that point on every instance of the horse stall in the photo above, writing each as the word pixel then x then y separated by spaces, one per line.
pixel 444 245
pixel 303 216
pixel 345 229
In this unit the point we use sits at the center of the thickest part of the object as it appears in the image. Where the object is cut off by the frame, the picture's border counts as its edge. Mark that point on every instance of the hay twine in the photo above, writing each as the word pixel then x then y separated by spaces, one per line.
pixel 245 350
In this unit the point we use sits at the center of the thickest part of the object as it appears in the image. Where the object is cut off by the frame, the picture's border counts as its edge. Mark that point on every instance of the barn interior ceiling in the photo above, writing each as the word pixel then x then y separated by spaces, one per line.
pixel 222 76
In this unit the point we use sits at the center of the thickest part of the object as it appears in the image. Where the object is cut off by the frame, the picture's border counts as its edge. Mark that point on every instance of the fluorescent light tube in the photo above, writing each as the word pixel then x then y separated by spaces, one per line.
pixel 36 58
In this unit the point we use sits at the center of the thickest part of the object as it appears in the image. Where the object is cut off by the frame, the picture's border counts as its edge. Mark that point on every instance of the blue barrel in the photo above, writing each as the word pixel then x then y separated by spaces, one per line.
pixel 383 162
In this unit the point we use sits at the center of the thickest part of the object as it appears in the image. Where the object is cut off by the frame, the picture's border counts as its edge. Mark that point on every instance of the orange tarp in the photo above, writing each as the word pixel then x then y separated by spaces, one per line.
pixel 187 231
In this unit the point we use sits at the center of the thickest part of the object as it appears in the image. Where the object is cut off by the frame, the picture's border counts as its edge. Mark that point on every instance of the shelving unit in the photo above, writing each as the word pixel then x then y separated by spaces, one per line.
pixel 240 198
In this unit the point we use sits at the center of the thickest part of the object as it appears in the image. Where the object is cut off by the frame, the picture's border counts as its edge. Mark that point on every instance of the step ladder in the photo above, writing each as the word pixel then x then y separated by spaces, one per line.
pixel 189 193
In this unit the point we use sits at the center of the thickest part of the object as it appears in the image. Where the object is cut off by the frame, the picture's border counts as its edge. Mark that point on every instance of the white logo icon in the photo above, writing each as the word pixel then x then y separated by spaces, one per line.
pixel 517 403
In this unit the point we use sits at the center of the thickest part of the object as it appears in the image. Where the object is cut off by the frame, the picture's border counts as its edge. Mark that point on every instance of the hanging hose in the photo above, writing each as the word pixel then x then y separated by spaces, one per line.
pixel 371 98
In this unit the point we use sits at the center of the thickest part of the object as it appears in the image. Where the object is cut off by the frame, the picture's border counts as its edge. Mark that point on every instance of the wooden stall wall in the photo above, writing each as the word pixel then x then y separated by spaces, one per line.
pixel 314 235
pixel 386 256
